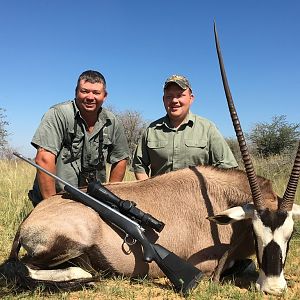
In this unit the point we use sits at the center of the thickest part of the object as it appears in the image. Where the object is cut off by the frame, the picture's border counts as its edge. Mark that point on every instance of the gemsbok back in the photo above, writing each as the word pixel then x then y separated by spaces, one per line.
pixel 68 243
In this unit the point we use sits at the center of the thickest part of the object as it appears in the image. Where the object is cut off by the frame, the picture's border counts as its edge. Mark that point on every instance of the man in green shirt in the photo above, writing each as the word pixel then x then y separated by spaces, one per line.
pixel 180 139
pixel 76 138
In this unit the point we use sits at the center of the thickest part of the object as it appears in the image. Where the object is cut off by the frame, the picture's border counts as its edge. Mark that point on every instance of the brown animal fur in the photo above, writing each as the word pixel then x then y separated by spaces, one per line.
pixel 60 229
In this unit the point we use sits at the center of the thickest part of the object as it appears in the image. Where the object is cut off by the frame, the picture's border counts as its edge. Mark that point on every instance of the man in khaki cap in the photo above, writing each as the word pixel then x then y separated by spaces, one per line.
pixel 180 139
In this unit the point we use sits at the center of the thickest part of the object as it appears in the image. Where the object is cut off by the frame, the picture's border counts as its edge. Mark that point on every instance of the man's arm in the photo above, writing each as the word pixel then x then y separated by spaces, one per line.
pixel 117 171
pixel 46 160
pixel 141 160
pixel 221 154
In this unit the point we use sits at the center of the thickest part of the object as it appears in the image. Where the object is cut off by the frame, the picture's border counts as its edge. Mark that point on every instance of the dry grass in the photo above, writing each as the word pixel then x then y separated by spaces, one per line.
pixel 16 179
pixel 277 169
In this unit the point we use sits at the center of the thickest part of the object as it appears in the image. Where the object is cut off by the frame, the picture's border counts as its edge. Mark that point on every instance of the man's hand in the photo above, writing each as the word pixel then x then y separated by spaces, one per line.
pixel 46 160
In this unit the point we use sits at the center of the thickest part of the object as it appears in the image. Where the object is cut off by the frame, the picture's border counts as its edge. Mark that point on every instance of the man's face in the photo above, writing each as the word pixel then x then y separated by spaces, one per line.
pixel 177 102
pixel 90 96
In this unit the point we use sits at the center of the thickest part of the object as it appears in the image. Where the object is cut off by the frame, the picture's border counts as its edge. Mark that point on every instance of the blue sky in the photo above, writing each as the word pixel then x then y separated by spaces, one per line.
pixel 45 45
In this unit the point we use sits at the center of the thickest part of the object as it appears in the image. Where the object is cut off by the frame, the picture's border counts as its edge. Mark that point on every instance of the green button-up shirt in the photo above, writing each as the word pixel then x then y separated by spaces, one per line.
pixel 196 142
pixel 62 131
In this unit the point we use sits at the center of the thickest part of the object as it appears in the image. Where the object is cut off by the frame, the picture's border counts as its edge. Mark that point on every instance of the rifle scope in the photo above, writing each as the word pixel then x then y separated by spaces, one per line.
pixel 96 190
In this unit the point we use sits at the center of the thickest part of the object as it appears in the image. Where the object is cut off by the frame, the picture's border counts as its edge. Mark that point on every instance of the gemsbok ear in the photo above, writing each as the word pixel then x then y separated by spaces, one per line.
pixel 296 210
pixel 233 214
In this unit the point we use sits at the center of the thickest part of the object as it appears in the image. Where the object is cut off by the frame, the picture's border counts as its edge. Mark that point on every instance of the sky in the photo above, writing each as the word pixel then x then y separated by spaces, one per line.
pixel 136 45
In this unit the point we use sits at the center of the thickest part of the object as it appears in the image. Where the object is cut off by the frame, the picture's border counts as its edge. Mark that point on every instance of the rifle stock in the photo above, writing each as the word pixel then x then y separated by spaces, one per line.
pixel 183 275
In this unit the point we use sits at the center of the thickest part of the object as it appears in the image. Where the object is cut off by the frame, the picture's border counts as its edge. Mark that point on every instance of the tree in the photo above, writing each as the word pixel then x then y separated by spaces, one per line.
pixel 276 137
pixel 134 125
pixel 3 131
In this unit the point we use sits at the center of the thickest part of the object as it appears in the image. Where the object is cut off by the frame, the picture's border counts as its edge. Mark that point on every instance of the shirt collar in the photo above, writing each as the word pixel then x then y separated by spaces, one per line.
pixel 165 121
pixel 101 121
pixel 101 116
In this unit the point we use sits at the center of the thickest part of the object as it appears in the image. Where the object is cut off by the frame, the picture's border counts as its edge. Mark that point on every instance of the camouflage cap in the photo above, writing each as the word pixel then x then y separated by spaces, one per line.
pixel 180 80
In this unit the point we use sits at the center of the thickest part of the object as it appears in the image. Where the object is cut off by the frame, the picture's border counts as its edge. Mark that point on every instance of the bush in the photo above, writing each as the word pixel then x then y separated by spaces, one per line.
pixel 275 138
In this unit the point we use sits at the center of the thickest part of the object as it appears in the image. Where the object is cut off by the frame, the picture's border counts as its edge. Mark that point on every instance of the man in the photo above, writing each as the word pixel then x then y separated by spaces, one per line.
pixel 76 138
pixel 180 139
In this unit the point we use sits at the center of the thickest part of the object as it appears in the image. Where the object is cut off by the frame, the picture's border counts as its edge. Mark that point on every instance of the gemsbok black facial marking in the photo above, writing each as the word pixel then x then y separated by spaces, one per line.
pixel 272 259
pixel 272 264
pixel 272 219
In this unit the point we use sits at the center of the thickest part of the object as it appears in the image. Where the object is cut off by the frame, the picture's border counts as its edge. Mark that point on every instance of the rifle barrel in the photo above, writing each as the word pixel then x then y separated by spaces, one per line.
pixel 77 190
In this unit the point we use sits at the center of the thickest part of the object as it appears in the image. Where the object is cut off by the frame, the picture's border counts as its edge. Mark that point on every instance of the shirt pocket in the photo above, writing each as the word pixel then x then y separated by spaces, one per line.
pixel 106 141
pixel 157 144
pixel 72 147
pixel 196 143
pixel 105 150
pixel 159 152
pixel 196 152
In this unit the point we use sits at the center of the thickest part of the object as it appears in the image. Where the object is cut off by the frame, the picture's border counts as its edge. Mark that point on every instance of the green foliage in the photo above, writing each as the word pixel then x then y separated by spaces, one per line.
pixel 276 137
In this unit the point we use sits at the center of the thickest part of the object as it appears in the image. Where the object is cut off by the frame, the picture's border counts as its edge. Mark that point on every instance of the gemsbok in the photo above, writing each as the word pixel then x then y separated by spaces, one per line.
pixel 68 243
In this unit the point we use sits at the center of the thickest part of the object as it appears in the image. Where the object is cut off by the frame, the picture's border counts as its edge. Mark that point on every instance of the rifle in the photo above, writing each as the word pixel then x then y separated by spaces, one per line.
pixel 183 275
pixel 126 207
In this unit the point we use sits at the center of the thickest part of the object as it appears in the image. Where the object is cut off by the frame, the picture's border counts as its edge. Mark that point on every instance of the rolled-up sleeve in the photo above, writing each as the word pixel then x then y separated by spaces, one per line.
pixel 49 135
pixel 119 149
pixel 141 159
pixel 220 153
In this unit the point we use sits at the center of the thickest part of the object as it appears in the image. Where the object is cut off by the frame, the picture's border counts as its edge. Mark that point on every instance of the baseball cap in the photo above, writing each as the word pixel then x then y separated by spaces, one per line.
pixel 179 80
